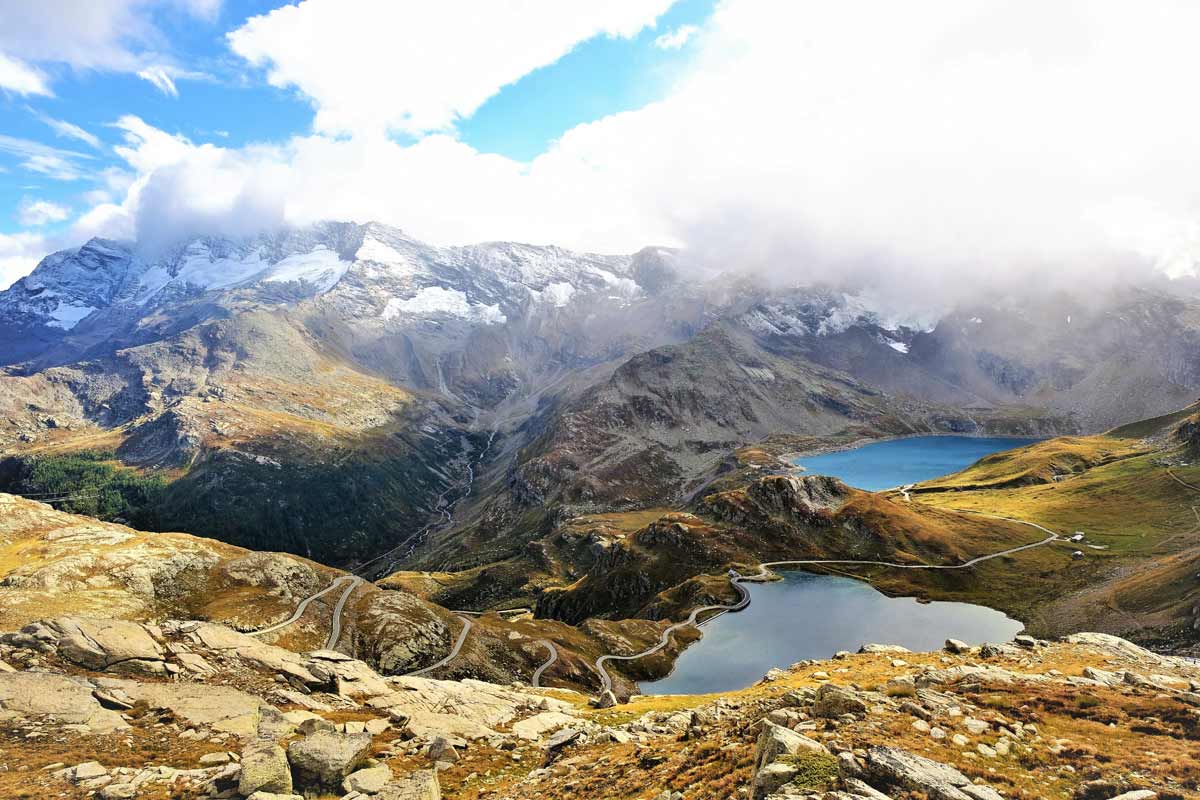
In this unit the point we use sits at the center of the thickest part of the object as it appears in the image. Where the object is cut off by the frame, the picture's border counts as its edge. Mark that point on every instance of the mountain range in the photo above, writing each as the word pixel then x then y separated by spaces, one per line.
pixel 342 390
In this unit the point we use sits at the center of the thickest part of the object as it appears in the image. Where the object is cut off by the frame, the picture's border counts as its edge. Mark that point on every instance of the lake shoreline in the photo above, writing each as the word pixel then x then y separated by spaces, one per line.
pixel 789 458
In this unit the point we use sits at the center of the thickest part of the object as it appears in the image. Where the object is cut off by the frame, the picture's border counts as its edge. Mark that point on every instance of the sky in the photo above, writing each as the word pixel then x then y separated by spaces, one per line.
pixel 924 146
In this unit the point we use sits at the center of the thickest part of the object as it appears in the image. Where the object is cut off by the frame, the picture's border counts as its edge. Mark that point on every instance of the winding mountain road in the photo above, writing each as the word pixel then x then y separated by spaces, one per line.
pixel 537 674
pixel 462 637
pixel 352 582
pixel 335 625
pixel 335 628
pixel 764 572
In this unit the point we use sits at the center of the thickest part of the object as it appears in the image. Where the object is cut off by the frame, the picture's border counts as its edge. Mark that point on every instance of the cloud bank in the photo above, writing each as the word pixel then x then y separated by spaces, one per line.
pixel 108 35
pixel 418 67
pixel 927 147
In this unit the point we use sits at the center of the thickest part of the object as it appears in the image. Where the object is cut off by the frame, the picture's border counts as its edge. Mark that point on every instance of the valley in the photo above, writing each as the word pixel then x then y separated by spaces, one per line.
pixel 527 466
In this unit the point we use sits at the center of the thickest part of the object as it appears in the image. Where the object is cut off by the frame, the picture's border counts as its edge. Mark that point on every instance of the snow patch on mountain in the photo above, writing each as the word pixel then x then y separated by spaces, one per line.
pixel 322 268
pixel 68 315
pixel 372 249
pixel 435 301
pixel 558 294
pixel 828 313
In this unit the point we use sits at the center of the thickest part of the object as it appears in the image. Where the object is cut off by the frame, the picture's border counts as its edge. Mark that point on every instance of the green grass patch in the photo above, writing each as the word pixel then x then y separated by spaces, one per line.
pixel 814 770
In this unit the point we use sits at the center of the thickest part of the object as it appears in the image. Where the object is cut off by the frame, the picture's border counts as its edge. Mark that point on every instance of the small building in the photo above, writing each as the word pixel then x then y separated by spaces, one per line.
pixel 1078 537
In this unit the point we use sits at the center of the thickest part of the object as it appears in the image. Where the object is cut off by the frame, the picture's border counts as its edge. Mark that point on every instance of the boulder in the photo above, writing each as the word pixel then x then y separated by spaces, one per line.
pixel 273 796
pixel 989 650
pixel 892 766
pixel 563 738
pixel 314 724
pixel 834 701
pixel 421 785
pixel 859 788
pixel 775 741
pixel 70 701
pixel 537 725
pixel 440 749
pixel 324 759
pixel 104 644
pixel 368 781
pixel 883 648
pixel 346 676
pixel 265 768
pixel 1117 646
pixel 221 708
pixel 772 777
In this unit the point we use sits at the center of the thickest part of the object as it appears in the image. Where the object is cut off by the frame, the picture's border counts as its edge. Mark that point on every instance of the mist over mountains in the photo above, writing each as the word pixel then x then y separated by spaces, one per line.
pixel 360 360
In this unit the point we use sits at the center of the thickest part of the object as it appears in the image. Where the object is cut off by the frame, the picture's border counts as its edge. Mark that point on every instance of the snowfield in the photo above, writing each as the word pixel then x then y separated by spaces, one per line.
pixel 435 301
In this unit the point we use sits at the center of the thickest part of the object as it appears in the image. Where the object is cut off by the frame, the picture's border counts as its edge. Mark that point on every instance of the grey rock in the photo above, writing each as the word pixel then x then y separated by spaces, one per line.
pixel 314 724
pixel 265 768
pixel 883 648
pixel 563 738
pixel 860 788
pixel 422 785
pixel 834 701
pixel 773 777
pixel 895 767
pixel 325 758
pixel 775 741
pixel 440 749
pixel 368 781
pixel 68 700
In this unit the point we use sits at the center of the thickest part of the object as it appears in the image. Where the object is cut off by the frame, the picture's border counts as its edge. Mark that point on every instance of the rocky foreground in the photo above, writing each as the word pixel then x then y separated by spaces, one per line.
pixel 109 709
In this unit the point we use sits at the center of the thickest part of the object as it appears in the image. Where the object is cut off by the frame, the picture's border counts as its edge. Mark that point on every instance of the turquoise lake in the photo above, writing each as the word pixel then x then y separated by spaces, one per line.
pixel 885 465
pixel 814 616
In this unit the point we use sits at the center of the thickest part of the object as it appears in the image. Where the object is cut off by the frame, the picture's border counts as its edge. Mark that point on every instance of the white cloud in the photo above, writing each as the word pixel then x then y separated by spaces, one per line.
pixel 43 159
pixel 109 35
pixel 17 76
pixel 945 146
pixel 158 77
pixel 67 129
pixel 418 67
pixel 32 212
pixel 19 253
pixel 674 40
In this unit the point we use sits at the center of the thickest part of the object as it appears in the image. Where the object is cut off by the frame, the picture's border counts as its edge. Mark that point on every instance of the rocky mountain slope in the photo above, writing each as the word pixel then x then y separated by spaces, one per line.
pixel 193 710
pixel 335 391
pixel 56 563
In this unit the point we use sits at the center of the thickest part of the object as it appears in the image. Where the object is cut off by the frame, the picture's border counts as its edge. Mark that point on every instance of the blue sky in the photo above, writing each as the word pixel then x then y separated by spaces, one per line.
pixel 942 141
pixel 229 103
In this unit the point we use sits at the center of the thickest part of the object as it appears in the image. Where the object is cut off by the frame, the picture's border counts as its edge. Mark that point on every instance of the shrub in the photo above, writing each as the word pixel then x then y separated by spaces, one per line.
pixel 815 770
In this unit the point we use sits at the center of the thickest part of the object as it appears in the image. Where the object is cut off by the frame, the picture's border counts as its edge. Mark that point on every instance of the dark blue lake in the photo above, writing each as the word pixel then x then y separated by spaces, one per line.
pixel 814 616
pixel 886 465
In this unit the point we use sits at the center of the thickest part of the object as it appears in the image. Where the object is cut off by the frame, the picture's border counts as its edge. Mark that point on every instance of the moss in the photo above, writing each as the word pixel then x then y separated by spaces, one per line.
pixel 813 770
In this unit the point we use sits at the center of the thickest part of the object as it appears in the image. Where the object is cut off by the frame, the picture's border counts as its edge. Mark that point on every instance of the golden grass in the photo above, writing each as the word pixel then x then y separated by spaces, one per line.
pixel 1037 463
